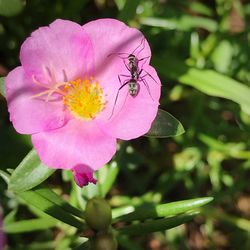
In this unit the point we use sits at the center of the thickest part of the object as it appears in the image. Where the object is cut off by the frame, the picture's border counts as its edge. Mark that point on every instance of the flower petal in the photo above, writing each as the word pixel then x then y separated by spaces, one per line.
pixel 77 143
pixel 133 116
pixel 63 48
pixel 83 175
pixel 109 37
pixel 31 115
pixel 128 117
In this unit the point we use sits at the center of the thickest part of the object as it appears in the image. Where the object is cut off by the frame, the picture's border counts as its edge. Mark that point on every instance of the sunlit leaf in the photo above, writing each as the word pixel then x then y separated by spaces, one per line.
pixel 165 125
pixel 29 173
pixel 207 81
pixel 164 210
pixel 29 225
pixel 106 177
pixel 215 84
pixel 183 23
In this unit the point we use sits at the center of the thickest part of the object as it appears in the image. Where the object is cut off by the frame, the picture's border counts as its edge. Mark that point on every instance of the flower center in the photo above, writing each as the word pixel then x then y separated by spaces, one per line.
pixel 84 98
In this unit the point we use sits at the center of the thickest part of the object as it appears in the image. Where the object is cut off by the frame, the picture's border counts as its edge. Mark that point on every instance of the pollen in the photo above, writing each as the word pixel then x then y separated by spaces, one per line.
pixel 84 98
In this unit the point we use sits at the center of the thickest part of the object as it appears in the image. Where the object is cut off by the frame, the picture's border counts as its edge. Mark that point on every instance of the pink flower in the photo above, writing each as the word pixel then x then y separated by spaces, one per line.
pixel 64 92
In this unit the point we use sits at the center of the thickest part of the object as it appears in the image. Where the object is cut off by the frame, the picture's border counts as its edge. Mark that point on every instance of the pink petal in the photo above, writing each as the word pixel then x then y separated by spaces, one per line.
pixel 63 47
pixel 132 116
pixel 112 36
pixel 31 115
pixel 77 143
pixel 83 175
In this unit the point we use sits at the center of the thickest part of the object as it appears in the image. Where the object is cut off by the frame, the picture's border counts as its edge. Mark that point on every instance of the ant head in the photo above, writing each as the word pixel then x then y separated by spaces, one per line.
pixel 131 57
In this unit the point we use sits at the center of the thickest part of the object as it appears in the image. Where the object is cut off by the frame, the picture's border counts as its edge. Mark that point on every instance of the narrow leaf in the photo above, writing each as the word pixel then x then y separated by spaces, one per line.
pixel 35 199
pixel 106 177
pixel 39 200
pixel 55 198
pixel 155 225
pixel 29 173
pixel 207 81
pixel 2 91
pixel 164 210
pixel 5 176
pixel 165 125
pixel 184 23
pixel 215 84
pixel 29 225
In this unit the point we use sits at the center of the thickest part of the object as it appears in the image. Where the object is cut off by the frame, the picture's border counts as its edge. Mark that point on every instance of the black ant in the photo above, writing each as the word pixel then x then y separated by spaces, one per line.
pixel 135 77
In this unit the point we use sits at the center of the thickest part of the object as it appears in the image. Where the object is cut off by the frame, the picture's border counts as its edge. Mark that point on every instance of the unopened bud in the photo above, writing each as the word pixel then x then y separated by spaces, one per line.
pixel 98 214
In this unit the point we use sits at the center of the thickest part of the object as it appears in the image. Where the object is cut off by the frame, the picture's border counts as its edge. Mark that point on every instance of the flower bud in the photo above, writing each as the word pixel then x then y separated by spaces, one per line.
pixel 98 214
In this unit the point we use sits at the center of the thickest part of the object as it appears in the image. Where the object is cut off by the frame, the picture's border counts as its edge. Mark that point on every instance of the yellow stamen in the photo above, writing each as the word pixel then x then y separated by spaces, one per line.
pixel 84 98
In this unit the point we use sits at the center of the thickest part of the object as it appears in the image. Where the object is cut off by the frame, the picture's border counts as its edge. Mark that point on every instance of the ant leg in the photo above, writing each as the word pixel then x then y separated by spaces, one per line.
pixel 147 87
pixel 116 98
pixel 147 74
pixel 146 57
pixel 143 61
pixel 119 77
pixel 119 54
pixel 142 42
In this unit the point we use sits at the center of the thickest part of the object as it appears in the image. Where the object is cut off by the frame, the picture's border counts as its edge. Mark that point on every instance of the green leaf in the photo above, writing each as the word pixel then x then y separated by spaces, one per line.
pixel 29 173
pixel 164 210
pixel 10 7
pixel 215 84
pixel 155 225
pixel 55 198
pixel 49 204
pixel 184 23
pixel 106 177
pixel 207 81
pixel 165 125
pixel 5 176
pixel 29 225
pixel 49 207
pixel 2 91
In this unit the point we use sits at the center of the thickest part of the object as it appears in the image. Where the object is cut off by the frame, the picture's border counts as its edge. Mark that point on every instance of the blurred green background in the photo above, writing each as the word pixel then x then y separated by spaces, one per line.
pixel 201 52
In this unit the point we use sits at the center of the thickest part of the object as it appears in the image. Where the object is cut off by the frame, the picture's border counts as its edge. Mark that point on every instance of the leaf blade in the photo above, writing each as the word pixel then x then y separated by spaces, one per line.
pixel 156 225
pixel 164 210
pixel 165 125
pixel 29 173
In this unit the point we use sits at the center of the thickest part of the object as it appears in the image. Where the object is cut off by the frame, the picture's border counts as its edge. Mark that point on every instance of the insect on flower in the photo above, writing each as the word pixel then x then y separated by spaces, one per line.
pixel 131 62
pixel 62 94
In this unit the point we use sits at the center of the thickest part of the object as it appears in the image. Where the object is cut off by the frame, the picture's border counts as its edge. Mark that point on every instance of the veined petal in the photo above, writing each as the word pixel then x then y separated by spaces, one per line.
pixel 31 115
pixel 127 117
pixel 76 143
pixel 63 49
